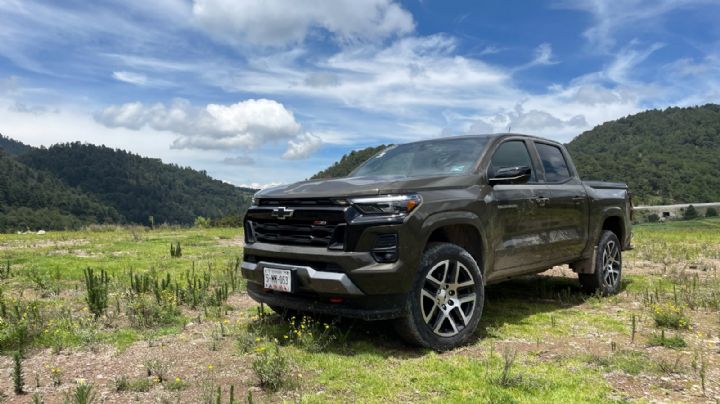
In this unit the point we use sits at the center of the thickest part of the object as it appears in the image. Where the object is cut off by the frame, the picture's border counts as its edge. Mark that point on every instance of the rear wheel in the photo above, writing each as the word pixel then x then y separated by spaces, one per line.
pixel 445 304
pixel 608 267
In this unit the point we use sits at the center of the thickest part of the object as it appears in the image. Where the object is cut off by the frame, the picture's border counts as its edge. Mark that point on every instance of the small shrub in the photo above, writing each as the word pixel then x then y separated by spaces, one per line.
pixel 711 212
pixel 17 373
pixel 271 368
pixel 653 218
pixel 97 291
pixel 122 384
pixel 175 250
pixel 669 315
pixel 84 393
pixel 667 342
pixel 690 213
pixel 176 385
pixel 157 368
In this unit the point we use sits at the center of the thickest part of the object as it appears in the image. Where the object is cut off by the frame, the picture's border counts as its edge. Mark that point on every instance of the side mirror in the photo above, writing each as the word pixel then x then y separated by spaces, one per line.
pixel 511 175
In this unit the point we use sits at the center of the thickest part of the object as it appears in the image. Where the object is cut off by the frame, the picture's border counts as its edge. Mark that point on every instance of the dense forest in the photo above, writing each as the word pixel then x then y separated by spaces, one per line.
pixel 665 156
pixel 74 184
pixel 31 199
pixel 348 162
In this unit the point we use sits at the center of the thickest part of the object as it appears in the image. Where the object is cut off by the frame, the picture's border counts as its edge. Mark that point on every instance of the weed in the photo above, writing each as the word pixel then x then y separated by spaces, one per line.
pixel 141 385
pixel 175 250
pixel 670 367
pixel 56 376
pixel 83 393
pixel 505 379
pixel 669 315
pixel 17 373
pixel 271 368
pixel 176 385
pixel 667 342
pixel 97 291
pixel 37 398
pixel 157 368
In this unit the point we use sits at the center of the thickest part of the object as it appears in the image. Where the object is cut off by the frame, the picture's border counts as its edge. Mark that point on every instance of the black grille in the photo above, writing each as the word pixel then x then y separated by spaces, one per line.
pixel 300 202
pixel 317 228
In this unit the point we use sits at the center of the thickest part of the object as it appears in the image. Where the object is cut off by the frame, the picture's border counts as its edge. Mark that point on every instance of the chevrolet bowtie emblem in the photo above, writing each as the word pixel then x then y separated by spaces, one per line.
pixel 282 213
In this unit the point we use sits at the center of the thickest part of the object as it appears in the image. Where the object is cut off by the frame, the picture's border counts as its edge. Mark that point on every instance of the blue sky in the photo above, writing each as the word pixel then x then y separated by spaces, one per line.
pixel 259 92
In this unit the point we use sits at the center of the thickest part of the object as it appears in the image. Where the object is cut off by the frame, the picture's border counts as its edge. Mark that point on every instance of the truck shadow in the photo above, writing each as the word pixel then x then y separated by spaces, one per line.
pixel 507 303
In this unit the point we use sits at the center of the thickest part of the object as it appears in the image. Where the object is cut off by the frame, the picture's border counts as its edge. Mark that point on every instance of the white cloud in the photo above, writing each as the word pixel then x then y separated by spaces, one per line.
pixel 246 124
pixel 612 18
pixel 284 22
pixel 302 147
pixel 130 77
pixel 239 161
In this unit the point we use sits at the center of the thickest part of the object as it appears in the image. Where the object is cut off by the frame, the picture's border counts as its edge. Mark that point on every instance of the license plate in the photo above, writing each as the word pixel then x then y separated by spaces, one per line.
pixel 278 279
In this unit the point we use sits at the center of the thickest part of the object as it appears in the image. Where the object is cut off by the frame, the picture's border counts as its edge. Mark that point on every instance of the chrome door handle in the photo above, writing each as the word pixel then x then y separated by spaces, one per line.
pixel 578 199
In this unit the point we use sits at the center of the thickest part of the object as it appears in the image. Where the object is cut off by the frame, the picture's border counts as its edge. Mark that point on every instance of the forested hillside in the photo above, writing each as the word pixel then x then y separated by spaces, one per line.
pixel 139 187
pixel 12 146
pixel 348 162
pixel 665 156
pixel 31 199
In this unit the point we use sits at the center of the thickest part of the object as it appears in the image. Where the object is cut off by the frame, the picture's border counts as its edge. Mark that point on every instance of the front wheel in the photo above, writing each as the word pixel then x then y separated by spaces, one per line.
pixel 446 301
pixel 606 279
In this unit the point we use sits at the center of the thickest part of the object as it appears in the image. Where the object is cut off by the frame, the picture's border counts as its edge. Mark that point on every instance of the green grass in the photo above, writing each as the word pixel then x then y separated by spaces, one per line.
pixel 566 341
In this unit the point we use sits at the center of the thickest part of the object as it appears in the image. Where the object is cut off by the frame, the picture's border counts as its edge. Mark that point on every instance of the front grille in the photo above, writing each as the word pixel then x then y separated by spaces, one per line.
pixel 301 202
pixel 309 227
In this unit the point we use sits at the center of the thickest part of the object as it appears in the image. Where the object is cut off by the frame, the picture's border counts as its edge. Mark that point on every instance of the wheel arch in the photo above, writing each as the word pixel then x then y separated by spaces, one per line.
pixel 462 229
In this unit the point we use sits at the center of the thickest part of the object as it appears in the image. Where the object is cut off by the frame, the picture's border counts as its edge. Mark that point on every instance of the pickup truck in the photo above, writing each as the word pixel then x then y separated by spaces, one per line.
pixel 416 232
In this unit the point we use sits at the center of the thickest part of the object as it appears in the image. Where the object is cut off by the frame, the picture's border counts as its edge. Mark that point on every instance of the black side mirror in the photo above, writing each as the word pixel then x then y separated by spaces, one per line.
pixel 511 175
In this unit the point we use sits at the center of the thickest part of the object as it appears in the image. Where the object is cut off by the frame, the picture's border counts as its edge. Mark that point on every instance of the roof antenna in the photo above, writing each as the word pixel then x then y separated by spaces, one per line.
pixel 509 127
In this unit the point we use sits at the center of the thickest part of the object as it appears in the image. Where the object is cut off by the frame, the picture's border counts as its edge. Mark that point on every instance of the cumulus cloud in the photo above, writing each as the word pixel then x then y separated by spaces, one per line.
pixel 246 124
pixel 285 22
pixel 302 147
pixel 130 77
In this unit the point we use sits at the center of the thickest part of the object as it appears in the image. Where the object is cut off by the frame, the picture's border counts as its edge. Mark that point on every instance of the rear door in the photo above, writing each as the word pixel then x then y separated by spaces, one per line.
pixel 562 203
pixel 516 227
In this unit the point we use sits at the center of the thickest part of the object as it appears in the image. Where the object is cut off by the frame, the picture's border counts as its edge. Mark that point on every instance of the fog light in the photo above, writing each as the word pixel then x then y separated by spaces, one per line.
pixel 385 248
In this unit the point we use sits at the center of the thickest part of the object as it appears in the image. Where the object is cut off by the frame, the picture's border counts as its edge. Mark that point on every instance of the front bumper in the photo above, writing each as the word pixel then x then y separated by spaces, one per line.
pixel 347 284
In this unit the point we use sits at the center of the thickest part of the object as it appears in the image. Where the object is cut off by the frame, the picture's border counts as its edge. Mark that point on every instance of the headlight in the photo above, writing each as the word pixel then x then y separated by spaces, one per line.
pixel 387 204
pixel 255 200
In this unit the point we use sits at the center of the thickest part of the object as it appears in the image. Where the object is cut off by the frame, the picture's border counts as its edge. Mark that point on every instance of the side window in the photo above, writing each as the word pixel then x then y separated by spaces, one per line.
pixel 512 154
pixel 556 168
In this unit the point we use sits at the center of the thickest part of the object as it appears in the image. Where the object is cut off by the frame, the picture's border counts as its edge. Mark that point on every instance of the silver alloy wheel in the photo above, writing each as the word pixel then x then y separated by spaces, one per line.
pixel 611 264
pixel 447 298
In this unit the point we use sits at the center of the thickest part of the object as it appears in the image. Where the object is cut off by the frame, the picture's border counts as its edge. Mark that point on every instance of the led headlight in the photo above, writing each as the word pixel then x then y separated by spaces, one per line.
pixel 387 204
pixel 255 200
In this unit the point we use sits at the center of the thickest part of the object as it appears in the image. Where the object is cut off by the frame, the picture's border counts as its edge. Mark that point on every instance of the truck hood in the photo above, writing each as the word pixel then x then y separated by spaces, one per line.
pixel 367 185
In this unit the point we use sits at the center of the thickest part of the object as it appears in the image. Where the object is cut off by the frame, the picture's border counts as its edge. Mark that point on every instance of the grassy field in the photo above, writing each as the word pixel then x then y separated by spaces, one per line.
pixel 148 327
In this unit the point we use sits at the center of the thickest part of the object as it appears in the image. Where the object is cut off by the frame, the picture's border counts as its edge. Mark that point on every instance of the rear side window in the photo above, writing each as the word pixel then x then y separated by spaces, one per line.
pixel 553 161
pixel 511 154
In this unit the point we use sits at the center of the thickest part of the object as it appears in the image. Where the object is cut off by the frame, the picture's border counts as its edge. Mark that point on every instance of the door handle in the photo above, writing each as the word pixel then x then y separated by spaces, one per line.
pixel 541 200
pixel 578 199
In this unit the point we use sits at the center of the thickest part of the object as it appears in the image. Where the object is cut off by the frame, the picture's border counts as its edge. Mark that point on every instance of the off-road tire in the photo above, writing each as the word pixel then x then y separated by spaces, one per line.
pixel 607 277
pixel 431 299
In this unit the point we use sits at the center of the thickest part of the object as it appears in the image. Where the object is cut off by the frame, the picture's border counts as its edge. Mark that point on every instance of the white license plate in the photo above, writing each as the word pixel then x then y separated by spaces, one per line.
pixel 278 279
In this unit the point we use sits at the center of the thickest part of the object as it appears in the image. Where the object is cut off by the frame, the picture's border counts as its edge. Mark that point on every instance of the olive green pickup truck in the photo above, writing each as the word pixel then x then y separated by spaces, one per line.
pixel 416 232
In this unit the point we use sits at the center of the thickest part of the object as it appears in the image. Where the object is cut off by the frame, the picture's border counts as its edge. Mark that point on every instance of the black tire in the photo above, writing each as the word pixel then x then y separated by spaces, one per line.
pixel 433 298
pixel 607 278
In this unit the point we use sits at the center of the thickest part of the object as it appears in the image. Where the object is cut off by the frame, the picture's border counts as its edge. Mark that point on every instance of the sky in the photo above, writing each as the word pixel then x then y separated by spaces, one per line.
pixel 264 92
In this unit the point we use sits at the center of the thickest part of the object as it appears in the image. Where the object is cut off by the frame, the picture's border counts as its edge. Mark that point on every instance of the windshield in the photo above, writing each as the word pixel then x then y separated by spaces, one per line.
pixel 440 157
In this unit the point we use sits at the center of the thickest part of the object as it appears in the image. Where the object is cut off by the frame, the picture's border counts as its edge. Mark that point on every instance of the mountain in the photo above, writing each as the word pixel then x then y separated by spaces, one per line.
pixel 32 199
pixel 139 187
pixel 665 156
pixel 348 162
pixel 12 146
